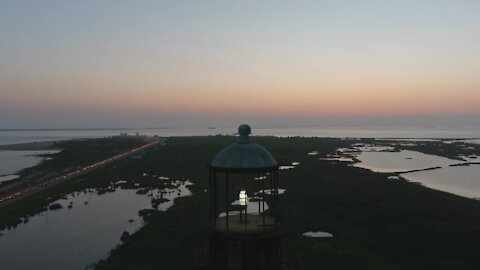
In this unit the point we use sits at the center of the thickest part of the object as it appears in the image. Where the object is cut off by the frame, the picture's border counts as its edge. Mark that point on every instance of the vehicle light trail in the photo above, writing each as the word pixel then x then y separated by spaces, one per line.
pixel 17 195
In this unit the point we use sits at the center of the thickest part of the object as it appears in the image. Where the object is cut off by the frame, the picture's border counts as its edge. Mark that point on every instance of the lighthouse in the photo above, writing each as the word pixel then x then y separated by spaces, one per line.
pixel 245 228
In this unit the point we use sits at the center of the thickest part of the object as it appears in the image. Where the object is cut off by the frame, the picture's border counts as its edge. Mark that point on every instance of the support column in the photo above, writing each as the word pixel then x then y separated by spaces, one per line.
pixel 226 200
pixel 215 199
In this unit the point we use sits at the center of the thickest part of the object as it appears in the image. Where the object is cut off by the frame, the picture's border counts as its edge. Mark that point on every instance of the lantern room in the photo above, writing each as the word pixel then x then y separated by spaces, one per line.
pixel 244 207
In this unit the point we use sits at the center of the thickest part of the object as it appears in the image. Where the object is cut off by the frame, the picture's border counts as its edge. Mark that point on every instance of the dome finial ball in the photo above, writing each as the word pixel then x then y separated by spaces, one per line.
pixel 244 129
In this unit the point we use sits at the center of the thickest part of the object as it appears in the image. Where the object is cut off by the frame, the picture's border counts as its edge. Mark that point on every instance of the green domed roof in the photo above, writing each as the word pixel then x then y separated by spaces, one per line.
pixel 243 154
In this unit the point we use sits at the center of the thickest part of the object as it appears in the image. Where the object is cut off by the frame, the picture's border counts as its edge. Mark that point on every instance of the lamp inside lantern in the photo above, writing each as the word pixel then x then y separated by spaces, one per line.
pixel 243 197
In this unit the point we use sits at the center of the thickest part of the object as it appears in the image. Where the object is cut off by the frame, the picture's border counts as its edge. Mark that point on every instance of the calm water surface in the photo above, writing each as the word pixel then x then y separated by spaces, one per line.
pixel 73 238
pixel 402 161
pixel 21 136
pixel 13 161
pixel 460 180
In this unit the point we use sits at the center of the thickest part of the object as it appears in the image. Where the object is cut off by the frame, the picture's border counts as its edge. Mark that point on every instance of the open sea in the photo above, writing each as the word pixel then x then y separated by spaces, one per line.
pixel 22 136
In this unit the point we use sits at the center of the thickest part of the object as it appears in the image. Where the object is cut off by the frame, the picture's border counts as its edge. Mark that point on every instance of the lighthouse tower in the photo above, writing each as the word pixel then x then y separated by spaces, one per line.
pixel 245 229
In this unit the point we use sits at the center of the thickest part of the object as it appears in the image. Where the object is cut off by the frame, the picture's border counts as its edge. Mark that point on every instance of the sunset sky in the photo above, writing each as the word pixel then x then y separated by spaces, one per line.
pixel 156 63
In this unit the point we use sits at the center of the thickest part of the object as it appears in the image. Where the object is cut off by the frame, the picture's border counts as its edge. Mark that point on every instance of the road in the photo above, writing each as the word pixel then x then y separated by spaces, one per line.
pixel 17 195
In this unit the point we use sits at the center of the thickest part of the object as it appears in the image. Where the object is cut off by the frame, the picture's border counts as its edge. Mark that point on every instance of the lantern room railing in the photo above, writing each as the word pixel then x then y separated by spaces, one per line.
pixel 244 201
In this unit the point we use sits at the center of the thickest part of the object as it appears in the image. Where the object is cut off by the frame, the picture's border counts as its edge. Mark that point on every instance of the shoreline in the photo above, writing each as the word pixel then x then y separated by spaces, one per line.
pixel 31 146
pixel 411 133
pixel 48 145
pixel 42 145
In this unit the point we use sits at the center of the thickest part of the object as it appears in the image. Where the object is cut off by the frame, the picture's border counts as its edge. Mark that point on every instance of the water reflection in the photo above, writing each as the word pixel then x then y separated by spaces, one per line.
pixel 338 158
pixel 8 177
pixel 255 206
pixel 286 167
pixel 168 195
pixel 72 238
pixel 476 141
pixel 270 191
pixel 317 234
pixel 459 177
pixel 14 161
pixel 402 161
pixel 82 231
pixel 460 180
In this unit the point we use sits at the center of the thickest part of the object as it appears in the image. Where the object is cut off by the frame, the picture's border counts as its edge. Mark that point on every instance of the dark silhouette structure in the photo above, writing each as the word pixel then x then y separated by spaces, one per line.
pixel 245 228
